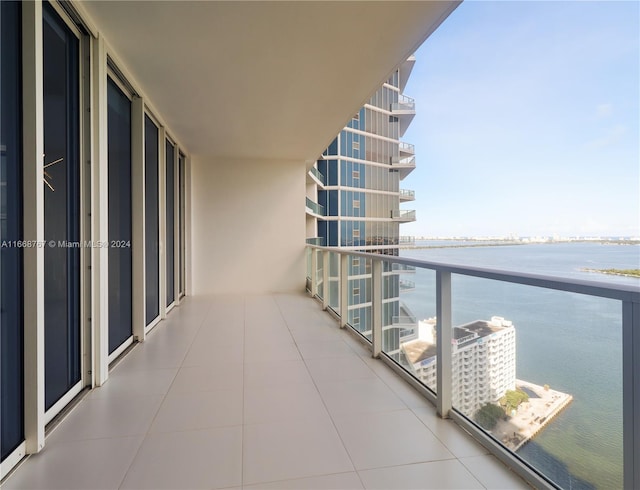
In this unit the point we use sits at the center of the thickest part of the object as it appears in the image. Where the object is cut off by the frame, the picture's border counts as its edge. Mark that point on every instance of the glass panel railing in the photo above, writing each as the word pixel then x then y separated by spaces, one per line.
pixel 319 273
pixel 334 281
pixel 535 362
pixel 320 241
pixel 407 194
pixel 318 175
pixel 407 240
pixel 541 372
pixel 315 207
pixel 407 148
pixel 410 337
pixel 403 267
pixel 359 295
pixel 403 214
pixel 308 253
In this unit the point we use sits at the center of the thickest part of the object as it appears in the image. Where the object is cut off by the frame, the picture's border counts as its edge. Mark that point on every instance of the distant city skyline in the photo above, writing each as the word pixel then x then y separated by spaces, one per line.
pixel 527 121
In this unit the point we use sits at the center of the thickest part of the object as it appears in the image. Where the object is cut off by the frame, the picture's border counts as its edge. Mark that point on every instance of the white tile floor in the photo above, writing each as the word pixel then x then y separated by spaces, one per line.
pixel 256 392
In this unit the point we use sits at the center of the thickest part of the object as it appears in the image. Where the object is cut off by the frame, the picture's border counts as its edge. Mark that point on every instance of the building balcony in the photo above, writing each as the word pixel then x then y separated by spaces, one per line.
pixel 314 208
pixel 619 303
pixel 320 241
pixel 403 215
pixel 407 241
pixel 406 149
pixel 403 268
pixel 316 176
pixel 407 195
pixel 404 164
pixel 406 286
pixel 405 111
pixel 240 390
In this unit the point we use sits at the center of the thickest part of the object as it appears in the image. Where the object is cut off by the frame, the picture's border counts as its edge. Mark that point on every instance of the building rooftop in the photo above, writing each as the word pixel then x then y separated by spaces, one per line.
pixel 418 350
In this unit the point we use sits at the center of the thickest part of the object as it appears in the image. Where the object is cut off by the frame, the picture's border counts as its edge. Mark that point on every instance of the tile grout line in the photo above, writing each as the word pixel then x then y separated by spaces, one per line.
pixel 144 437
pixel 321 397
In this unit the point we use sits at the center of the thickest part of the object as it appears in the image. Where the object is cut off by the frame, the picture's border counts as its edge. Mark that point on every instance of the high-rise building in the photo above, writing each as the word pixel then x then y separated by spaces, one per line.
pixel 354 199
pixel 484 361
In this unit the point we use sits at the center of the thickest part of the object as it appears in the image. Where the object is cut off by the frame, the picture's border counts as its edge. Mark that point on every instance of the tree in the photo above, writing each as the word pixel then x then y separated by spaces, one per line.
pixel 488 415
pixel 512 399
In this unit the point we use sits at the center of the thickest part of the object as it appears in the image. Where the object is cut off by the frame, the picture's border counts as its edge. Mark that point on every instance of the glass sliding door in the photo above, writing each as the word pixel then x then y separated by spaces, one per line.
pixel 152 221
pixel 120 256
pixel 170 221
pixel 61 207
pixel 181 204
pixel 11 322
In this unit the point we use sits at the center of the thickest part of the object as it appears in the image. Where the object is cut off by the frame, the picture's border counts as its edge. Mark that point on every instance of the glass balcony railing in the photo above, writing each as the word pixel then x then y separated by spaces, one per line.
pixel 542 371
pixel 316 241
pixel 402 267
pixel 403 214
pixel 406 240
pixel 407 195
pixel 404 104
pixel 407 148
pixel 318 175
pixel 406 285
pixel 315 207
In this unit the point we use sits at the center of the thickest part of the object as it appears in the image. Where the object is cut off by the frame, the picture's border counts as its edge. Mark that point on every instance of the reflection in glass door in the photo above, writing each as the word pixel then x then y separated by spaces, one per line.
pixel 120 258
pixel 11 323
pixel 61 207
pixel 170 173
pixel 181 204
pixel 152 221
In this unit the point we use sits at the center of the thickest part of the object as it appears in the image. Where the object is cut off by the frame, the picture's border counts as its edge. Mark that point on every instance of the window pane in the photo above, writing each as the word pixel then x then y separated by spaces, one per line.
pixel 170 154
pixel 152 230
pixel 119 129
pixel 181 220
pixel 61 207
pixel 11 340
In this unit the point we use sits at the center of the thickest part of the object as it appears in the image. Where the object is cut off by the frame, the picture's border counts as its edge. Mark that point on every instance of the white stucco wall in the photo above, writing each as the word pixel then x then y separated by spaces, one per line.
pixel 248 226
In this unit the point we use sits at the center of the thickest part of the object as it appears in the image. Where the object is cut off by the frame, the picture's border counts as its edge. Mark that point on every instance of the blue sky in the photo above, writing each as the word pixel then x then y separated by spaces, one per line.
pixel 527 121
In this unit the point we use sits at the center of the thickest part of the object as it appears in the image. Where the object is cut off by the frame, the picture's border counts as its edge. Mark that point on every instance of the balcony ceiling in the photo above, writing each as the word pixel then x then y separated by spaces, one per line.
pixel 261 80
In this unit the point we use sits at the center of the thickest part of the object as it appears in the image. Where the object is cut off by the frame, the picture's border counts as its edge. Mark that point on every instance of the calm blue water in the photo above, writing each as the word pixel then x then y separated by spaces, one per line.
pixel 571 342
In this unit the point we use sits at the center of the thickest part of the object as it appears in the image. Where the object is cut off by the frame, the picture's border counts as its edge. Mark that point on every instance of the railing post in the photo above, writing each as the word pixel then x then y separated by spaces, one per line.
pixel 376 307
pixel 314 272
pixel 443 335
pixel 325 279
pixel 344 290
pixel 631 392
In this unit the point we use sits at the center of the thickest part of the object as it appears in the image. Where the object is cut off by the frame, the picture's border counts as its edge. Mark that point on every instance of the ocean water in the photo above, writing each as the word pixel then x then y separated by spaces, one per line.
pixel 569 341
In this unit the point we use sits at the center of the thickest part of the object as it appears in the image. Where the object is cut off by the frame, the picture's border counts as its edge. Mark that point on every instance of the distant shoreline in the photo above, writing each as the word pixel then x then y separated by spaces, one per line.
pixel 506 243
pixel 616 272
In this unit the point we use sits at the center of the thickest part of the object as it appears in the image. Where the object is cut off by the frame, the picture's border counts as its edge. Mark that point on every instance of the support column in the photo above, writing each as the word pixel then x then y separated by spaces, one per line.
pixel 443 336
pixel 33 224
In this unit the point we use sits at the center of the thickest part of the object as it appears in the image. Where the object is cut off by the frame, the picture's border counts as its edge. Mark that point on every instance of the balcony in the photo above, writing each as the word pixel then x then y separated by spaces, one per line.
pixel 314 208
pixel 316 241
pixel 620 304
pixel 404 164
pixel 406 149
pixel 403 215
pixel 407 195
pixel 403 268
pixel 404 110
pixel 406 286
pixel 317 177
pixel 265 390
